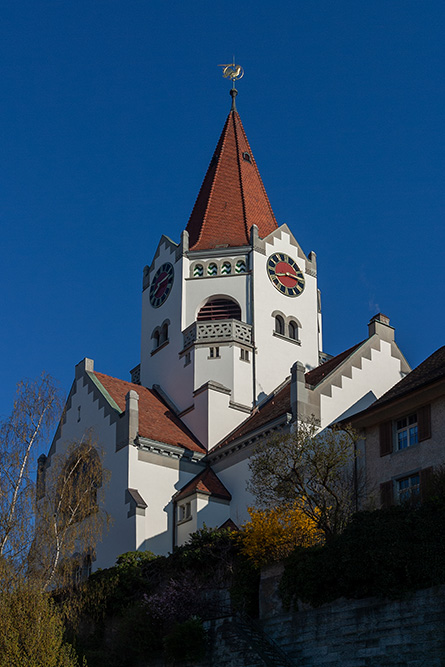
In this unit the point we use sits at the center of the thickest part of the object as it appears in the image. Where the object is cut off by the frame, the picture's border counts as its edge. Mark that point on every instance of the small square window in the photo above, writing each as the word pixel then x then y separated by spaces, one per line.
pixel 214 352
pixel 244 354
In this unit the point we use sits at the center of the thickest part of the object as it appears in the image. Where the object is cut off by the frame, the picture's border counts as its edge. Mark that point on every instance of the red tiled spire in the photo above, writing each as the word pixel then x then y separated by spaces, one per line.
pixel 232 197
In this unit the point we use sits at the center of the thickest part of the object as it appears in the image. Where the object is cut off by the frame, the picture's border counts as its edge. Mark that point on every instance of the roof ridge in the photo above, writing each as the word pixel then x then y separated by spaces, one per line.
pixel 243 199
pixel 258 171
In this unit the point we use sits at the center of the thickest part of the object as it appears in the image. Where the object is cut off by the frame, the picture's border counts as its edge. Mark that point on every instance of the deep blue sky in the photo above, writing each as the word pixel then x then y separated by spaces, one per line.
pixel 110 111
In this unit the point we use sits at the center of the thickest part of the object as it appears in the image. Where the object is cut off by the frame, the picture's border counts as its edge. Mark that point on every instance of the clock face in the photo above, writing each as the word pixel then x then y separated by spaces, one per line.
pixel 161 285
pixel 285 275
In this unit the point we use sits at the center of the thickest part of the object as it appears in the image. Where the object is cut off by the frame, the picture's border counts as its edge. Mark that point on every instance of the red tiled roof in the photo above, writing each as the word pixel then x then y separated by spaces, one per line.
pixel 278 404
pixel 205 482
pixel 228 525
pixel 156 420
pixel 232 197
pixel 318 374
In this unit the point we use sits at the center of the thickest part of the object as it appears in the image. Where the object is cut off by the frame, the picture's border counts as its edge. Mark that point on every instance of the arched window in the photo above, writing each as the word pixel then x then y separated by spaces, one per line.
pixel 198 271
pixel 156 338
pixel 78 482
pixel 293 330
pixel 212 270
pixel 240 266
pixel 279 325
pixel 220 309
pixel 226 268
pixel 164 333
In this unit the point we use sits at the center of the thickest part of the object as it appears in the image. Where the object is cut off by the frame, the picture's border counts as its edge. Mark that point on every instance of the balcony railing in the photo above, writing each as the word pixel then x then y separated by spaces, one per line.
pixel 219 330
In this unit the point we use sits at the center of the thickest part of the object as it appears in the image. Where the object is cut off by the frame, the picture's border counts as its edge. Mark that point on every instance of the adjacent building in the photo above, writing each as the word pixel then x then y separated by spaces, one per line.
pixel 403 435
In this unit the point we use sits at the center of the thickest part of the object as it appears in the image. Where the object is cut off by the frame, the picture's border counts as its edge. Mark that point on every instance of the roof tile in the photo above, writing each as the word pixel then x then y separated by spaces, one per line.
pixel 232 197
pixel 156 420
pixel 205 482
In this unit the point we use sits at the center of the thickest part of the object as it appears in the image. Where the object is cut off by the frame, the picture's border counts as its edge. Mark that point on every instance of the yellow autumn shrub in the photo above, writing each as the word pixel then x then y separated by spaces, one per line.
pixel 272 534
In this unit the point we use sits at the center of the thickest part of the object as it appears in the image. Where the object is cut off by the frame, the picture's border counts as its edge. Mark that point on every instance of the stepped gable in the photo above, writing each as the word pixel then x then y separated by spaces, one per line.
pixel 156 420
pixel 232 197
pixel 319 373
pixel 429 371
pixel 206 482
pixel 279 402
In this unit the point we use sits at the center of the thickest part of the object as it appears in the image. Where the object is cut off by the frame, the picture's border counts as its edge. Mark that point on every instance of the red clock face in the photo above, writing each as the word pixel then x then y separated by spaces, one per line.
pixel 161 285
pixel 285 275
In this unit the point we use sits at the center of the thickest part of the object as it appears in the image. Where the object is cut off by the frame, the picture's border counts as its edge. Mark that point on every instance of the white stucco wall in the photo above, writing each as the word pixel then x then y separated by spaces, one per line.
pixel 157 478
pixel 121 535
pixel 234 472
pixel 276 355
pixel 360 386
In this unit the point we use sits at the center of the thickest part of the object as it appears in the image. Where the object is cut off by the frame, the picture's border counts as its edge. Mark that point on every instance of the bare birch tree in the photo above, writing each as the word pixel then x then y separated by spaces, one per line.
pixel 70 515
pixel 39 538
pixel 319 470
pixel 37 406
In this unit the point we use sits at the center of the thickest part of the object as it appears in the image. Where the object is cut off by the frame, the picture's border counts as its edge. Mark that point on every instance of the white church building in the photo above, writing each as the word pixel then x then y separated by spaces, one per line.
pixel 231 351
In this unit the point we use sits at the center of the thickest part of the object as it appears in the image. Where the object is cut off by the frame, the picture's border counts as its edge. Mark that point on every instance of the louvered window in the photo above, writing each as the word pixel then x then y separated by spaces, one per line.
pixel 220 309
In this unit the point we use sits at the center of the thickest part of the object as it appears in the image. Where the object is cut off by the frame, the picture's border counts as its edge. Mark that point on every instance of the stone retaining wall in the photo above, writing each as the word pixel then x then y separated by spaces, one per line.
pixel 358 633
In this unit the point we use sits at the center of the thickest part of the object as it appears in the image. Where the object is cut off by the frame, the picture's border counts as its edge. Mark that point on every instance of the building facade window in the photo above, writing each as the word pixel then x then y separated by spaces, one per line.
pixel 164 334
pixel 187 358
pixel 198 271
pixel 160 335
pixel 407 434
pixel 219 309
pixel 184 512
pixel 212 269
pixel 293 330
pixel 214 353
pixel 244 354
pixel 406 431
pixel 279 325
pixel 408 488
pixel 240 266
pixel 226 268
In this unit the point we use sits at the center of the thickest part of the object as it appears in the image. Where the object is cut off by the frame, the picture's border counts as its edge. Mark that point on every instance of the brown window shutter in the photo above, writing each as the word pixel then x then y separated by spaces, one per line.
pixel 386 494
pixel 426 483
pixel 385 438
pixel 424 422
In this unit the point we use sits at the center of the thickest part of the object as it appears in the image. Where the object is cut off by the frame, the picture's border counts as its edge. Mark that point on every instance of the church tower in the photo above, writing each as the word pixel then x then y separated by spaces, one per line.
pixel 228 310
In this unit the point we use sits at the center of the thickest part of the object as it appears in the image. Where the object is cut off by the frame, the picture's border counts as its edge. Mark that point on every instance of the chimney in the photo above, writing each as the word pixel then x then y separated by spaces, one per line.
pixel 132 413
pixel 84 366
pixel 379 326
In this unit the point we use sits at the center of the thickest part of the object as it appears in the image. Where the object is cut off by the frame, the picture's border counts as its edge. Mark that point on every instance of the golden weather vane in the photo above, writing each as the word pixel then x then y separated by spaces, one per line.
pixel 232 71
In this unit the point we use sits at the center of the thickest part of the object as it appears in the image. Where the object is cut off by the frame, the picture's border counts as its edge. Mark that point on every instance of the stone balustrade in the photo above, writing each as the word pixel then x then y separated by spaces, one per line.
pixel 218 331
